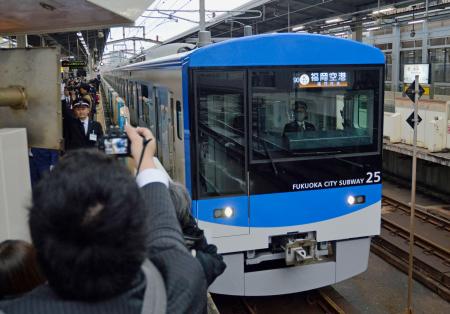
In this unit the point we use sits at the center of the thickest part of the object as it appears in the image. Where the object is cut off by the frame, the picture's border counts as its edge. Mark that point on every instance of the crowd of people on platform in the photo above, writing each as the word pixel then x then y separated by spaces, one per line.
pixel 105 239
pixel 79 101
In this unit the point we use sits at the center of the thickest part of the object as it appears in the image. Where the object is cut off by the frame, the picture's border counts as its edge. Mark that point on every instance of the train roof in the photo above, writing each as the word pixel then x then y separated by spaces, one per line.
pixel 283 49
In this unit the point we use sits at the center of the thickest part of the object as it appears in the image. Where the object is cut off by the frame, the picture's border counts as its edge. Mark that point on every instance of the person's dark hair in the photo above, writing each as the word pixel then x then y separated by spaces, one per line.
pixel 299 104
pixel 19 270
pixel 181 201
pixel 88 225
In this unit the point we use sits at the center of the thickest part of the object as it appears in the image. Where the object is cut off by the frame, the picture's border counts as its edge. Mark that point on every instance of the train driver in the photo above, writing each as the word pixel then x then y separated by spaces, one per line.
pixel 300 116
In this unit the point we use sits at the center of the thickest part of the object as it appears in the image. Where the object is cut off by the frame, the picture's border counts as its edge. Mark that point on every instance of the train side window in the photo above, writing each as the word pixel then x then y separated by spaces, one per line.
pixel 179 127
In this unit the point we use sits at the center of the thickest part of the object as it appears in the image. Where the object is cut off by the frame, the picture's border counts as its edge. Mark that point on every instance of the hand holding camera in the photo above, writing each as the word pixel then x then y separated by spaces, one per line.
pixel 139 143
pixel 140 153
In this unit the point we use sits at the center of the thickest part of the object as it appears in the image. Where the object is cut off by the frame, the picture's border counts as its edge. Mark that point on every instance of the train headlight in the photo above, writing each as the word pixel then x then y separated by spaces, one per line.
pixel 226 212
pixel 352 200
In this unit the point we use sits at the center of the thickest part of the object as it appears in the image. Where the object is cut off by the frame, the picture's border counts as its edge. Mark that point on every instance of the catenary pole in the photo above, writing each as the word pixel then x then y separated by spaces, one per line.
pixel 413 198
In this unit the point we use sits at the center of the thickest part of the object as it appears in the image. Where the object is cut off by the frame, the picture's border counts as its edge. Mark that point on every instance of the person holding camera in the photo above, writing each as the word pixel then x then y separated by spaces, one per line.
pixel 81 131
pixel 108 242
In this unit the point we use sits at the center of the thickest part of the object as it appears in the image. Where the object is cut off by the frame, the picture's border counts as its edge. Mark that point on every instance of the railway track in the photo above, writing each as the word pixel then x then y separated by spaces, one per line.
pixel 431 244
pixel 324 300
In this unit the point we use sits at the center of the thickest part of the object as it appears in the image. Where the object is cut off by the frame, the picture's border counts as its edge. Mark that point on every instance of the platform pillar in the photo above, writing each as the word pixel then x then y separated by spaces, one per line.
pixel 395 57
pixel 357 29
pixel 15 185
pixel 22 41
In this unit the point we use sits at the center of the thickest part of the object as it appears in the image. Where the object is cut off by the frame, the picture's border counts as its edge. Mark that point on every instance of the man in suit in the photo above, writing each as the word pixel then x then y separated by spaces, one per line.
pixel 300 116
pixel 93 224
pixel 85 93
pixel 82 132
pixel 66 106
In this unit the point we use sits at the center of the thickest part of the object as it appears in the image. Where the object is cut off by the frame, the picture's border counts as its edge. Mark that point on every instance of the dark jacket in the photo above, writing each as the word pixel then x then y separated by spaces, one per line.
pixel 183 275
pixel 212 263
pixel 66 109
pixel 294 127
pixel 75 135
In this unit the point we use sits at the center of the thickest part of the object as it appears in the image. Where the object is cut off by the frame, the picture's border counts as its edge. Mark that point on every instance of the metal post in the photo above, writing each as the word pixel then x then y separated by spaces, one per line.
pixel 202 15
pixel 413 198
pixel 395 80
pixel 22 41
pixel 289 16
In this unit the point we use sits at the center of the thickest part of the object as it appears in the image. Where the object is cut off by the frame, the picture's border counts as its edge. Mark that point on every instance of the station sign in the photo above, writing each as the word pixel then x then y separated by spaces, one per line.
pixel 411 93
pixel 411 70
pixel 320 79
pixel 74 64
pixel 426 89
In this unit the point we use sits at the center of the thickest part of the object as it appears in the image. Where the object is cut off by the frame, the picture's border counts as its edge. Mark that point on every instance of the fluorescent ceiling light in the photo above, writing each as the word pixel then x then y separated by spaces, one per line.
pixel 297 28
pixel 340 34
pixel 385 10
pixel 373 28
pixel 416 22
pixel 335 20
pixel 79 34
pixel 369 23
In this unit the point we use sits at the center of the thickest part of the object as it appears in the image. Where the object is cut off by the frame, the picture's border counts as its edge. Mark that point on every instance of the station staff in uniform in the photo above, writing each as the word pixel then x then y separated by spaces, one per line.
pixel 82 131
pixel 300 116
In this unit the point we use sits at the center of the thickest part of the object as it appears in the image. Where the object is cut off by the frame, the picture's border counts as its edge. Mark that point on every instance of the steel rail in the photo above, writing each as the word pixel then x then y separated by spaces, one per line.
pixel 424 215
pixel 426 244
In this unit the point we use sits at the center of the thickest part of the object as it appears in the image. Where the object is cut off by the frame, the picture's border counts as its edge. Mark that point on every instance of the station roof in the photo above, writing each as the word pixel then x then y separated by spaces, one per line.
pixel 59 21
pixel 68 42
pixel 312 14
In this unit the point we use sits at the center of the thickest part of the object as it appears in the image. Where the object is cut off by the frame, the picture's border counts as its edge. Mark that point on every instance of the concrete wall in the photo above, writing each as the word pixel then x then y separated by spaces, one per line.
pixel 432 178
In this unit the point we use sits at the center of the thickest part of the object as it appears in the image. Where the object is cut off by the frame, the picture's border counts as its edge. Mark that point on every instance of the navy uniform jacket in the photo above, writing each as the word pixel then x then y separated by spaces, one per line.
pixel 75 135
pixel 295 127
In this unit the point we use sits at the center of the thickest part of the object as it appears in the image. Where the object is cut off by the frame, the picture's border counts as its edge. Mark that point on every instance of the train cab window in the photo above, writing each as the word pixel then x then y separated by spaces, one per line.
pixel 304 112
pixel 219 99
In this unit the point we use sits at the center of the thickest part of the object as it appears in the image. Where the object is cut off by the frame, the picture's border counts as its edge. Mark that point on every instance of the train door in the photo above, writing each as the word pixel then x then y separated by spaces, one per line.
pixel 163 126
pixel 220 173
pixel 139 105
pixel 155 111
pixel 132 103
pixel 171 133
pixel 148 108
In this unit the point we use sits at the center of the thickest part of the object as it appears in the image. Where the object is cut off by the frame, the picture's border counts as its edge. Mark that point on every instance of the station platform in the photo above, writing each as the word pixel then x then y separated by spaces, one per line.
pixel 422 153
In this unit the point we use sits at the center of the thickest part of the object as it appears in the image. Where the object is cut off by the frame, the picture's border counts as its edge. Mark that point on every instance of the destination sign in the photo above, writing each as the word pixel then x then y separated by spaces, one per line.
pixel 76 64
pixel 320 79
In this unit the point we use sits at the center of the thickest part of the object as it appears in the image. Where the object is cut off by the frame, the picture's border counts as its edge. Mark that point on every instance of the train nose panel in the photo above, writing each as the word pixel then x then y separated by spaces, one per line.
pixel 299 208
pixel 230 215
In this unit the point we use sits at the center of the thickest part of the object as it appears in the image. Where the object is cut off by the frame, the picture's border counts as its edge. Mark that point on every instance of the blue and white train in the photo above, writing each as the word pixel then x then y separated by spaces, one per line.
pixel 290 208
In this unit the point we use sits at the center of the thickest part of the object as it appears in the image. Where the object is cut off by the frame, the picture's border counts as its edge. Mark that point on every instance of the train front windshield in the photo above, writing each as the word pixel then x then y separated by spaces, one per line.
pixel 249 119
pixel 299 113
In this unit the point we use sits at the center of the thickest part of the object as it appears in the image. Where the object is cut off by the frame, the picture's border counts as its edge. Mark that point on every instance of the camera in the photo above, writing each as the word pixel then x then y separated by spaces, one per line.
pixel 115 143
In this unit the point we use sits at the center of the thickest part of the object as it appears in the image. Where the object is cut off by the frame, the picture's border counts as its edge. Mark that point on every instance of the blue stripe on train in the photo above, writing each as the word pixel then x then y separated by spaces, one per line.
pixel 290 208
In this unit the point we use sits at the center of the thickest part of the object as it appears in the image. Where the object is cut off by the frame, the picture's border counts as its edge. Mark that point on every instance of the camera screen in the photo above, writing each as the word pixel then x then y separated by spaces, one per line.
pixel 115 146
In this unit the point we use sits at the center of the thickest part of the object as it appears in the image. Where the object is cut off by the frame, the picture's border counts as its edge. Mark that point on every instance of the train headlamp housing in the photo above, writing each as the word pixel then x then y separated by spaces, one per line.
pixel 353 200
pixel 226 212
